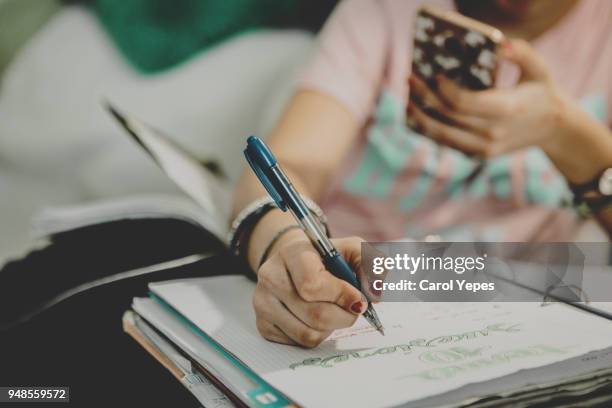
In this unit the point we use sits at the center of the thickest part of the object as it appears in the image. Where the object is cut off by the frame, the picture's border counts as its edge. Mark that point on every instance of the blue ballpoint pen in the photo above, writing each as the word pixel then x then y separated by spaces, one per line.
pixel 265 166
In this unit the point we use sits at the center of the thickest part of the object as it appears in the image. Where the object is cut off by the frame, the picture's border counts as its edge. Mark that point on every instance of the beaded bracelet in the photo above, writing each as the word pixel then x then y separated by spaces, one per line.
pixel 244 224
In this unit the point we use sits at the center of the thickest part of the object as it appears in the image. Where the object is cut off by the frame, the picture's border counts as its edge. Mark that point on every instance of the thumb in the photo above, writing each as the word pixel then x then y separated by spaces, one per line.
pixel 351 249
pixel 351 298
pixel 532 66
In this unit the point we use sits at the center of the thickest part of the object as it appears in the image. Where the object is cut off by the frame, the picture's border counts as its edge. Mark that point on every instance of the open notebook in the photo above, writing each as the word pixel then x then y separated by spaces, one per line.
pixel 430 348
pixel 205 203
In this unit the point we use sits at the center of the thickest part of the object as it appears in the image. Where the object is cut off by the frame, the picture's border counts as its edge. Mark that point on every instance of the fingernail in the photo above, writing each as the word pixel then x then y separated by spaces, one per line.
pixel 357 307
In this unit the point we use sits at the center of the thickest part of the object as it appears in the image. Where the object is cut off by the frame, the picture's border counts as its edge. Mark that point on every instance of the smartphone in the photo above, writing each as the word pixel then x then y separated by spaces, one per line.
pixel 462 49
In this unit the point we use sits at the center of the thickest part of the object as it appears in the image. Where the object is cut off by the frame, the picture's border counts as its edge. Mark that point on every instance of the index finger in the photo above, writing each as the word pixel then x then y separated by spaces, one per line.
pixel 314 283
pixel 351 250
pixel 488 103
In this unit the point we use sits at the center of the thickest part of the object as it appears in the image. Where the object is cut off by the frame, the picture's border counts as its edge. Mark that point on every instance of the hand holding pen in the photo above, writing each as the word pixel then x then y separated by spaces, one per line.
pixel 307 287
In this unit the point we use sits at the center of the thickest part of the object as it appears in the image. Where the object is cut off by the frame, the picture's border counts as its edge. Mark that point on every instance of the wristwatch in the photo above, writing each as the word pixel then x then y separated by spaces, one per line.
pixel 595 194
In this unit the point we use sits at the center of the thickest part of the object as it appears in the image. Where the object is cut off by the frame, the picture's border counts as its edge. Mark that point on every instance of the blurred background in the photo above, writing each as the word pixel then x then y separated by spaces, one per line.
pixel 207 72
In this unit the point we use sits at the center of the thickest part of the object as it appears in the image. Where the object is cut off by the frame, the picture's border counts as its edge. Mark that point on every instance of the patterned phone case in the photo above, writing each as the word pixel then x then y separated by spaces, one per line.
pixel 462 49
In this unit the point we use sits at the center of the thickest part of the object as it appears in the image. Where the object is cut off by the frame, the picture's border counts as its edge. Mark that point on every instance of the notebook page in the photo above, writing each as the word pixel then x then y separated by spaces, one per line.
pixel 192 344
pixel 430 348
pixel 54 220
pixel 189 174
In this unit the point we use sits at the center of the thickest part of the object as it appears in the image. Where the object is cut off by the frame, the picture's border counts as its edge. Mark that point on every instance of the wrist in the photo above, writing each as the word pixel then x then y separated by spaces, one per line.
pixel 292 235
pixel 560 140
pixel 267 228
pixel 580 146
pixel 285 236
pixel 244 224
pixel 263 232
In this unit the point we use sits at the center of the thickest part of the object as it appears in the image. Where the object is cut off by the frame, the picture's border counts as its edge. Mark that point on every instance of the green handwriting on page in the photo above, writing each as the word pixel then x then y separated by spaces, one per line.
pixel 467 360
pixel 429 348
pixel 404 348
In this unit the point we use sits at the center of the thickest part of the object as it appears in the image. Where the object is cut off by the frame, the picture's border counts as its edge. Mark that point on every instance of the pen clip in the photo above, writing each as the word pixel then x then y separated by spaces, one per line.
pixel 260 158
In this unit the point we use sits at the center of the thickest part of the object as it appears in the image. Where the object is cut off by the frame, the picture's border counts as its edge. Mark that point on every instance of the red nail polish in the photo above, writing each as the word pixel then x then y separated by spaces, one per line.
pixel 356 307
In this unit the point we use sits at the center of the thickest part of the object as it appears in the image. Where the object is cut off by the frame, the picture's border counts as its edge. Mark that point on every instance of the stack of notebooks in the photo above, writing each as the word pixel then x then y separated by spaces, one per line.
pixel 434 354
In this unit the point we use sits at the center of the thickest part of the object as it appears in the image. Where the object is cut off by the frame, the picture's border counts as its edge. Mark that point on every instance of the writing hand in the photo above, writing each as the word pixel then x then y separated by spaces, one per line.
pixel 297 301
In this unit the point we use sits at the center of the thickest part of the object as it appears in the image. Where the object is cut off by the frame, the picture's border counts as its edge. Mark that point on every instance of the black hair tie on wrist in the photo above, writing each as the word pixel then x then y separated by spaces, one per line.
pixel 273 241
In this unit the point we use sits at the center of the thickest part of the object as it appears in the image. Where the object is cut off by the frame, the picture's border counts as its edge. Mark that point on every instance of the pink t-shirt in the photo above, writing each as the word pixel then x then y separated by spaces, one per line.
pixel 397 183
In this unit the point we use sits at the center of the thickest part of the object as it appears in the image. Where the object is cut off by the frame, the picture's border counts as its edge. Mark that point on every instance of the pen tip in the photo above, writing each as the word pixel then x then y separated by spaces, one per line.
pixel 382 331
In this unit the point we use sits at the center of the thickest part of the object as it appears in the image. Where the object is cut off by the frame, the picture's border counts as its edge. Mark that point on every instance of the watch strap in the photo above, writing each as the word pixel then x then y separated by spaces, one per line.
pixel 597 205
pixel 582 189
pixel 591 193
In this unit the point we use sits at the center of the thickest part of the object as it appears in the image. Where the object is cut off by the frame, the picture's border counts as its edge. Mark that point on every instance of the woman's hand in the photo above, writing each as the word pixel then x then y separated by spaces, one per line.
pixel 297 301
pixel 533 113
pixel 495 121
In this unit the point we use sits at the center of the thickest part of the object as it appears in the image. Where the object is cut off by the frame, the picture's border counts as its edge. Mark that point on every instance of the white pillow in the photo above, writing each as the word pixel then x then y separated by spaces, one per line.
pixel 51 121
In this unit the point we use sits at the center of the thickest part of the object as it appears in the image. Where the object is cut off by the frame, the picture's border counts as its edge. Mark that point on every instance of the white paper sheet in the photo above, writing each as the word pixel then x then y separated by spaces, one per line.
pixel 205 391
pixel 54 220
pixel 429 348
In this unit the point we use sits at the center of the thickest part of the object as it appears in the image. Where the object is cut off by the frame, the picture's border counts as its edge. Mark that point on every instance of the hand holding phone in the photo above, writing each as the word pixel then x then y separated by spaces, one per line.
pixel 458 47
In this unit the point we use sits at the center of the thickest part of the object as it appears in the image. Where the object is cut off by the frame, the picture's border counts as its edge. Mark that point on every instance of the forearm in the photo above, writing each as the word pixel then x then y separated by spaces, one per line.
pixel 582 150
pixel 582 147
pixel 312 137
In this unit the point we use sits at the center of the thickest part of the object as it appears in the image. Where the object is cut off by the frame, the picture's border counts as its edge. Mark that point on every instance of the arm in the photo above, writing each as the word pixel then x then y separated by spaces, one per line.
pixel 296 300
pixel 582 152
pixel 312 137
